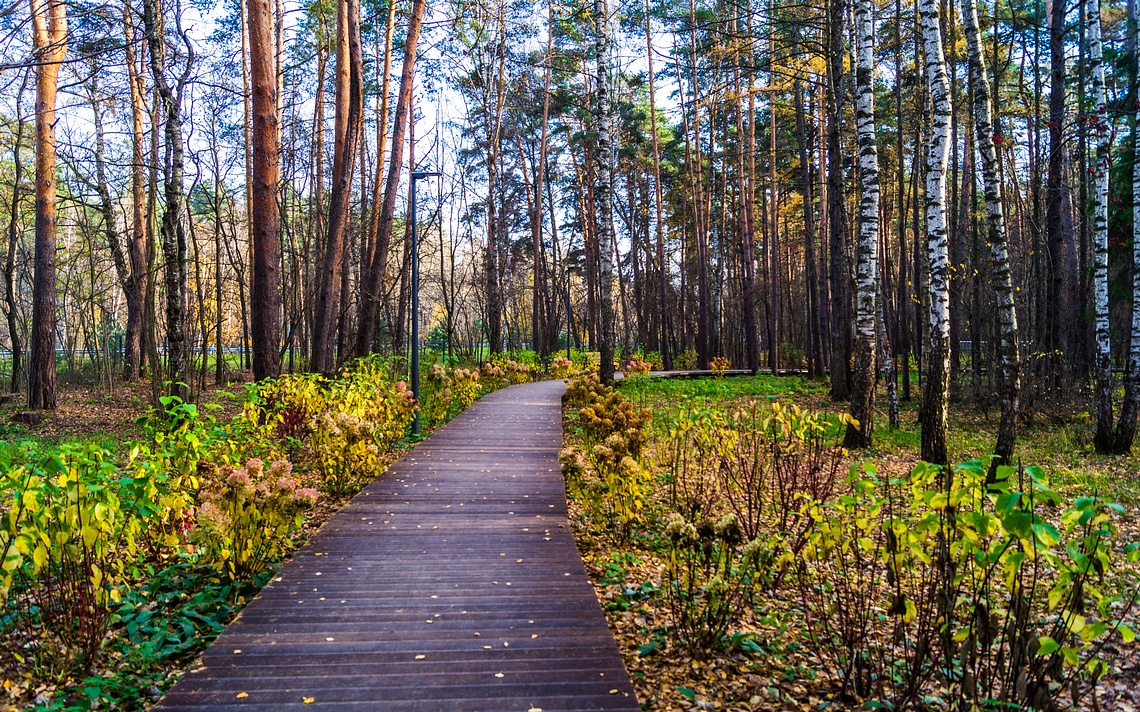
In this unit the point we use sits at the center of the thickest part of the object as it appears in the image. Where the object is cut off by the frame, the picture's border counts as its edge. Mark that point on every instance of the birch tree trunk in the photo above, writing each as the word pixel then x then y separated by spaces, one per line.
pixel 1104 414
pixel 662 275
pixel 1009 357
pixel 265 296
pixel 49 35
pixel 1126 426
pixel 174 242
pixel 936 375
pixel 603 194
pixel 867 252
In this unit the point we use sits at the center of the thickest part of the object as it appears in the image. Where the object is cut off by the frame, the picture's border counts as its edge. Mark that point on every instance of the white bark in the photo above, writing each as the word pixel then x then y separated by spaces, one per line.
pixel 936 391
pixel 1126 427
pixel 1009 366
pixel 603 192
pixel 867 251
pixel 1099 122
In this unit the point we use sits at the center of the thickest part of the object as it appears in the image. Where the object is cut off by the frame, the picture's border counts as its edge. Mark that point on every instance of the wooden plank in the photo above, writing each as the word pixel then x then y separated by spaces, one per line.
pixel 452 582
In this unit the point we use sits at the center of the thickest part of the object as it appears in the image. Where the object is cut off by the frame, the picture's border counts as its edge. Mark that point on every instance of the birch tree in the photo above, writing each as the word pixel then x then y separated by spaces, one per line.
pixel 867 251
pixel 1104 415
pixel 659 223
pixel 1126 426
pixel 936 375
pixel 1009 358
pixel 603 193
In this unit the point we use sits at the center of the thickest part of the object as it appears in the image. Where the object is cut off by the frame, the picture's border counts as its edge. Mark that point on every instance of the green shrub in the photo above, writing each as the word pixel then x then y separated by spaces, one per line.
pixel 69 538
pixel 614 435
pixel 943 590
pixel 247 517
pixel 708 578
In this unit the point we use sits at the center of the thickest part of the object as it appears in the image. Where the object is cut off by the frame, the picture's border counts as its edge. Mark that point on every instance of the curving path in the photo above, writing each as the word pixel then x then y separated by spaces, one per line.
pixel 450 583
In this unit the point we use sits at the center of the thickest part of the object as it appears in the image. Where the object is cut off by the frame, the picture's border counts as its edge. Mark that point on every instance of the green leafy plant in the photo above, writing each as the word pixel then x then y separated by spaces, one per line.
pixel 248 516
pixel 69 538
pixel 997 594
pixel 708 578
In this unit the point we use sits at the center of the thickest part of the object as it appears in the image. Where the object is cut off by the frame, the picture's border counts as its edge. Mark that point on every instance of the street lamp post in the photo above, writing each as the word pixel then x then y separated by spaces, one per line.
pixel 416 175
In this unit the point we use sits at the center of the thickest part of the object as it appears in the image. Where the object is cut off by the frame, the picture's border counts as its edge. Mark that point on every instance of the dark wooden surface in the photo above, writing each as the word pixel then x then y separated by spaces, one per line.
pixel 452 582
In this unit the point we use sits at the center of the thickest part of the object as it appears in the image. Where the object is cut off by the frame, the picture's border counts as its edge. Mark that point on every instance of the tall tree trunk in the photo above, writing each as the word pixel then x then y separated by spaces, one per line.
pixel 1130 409
pixel 107 206
pixel 377 271
pixel 774 204
pixel 1103 440
pixel 538 289
pixel 700 206
pixel 803 141
pixel 746 223
pixel 13 241
pixel 265 297
pixel 247 126
pixel 659 224
pixel 837 215
pixel 603 193
pixel 492 261
pixel 349 106
pixel 1009 357
pixel 936 375
pixel 1056 317
pixel 49 36
pixel 174 241
pixel 867 253
pixel 136 246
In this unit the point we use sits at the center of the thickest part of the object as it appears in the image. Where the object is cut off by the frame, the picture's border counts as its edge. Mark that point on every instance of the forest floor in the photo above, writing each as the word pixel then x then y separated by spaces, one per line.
pixel 776 668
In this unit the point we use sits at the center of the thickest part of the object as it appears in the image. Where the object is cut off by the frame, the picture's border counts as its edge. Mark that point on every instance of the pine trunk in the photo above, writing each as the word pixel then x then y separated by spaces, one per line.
pixel 349 106
pixel 265 295
pixel 49 25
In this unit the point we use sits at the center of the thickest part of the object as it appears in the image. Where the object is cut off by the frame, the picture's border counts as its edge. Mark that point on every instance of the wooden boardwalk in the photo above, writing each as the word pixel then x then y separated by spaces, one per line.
pixel 452 582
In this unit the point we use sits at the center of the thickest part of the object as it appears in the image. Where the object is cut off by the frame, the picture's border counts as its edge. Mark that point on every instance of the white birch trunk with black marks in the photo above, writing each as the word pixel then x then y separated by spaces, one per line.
pixel 1009 357
pixel 1104 415
pixel 603 193
pixel 867 250
pixel 936 375
pixel 1126 426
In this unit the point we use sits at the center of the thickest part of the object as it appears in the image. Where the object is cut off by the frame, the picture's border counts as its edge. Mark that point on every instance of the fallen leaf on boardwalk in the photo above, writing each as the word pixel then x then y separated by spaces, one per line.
pixel 242 695
pixel 498 674
pixel 308 700
pixel 420 657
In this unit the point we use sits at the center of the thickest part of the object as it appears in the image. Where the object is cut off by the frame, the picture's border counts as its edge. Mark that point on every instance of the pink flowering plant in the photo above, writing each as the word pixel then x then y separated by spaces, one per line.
pixel 248 516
